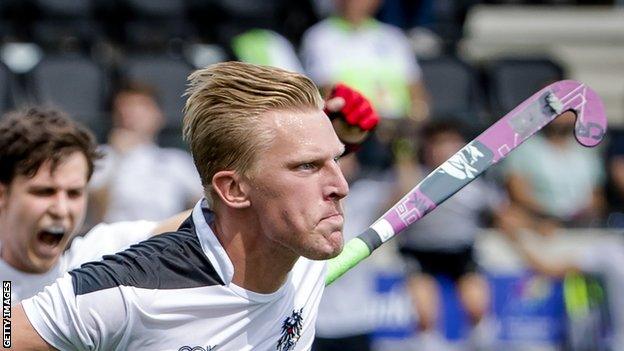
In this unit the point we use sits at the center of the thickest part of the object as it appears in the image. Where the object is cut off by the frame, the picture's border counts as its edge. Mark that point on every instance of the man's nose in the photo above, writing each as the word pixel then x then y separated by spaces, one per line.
pixel 338 186
pixel 60 206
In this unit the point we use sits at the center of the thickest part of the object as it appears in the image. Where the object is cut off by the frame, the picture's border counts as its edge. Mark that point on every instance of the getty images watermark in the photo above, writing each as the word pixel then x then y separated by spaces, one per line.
pixel 6 314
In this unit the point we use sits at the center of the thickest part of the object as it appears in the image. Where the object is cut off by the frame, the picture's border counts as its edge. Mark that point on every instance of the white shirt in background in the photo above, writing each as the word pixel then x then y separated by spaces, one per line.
pixel 148 182
pixel 374 58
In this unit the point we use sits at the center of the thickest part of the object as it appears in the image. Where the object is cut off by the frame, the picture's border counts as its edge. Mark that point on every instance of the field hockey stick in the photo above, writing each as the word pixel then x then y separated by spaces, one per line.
pixel 488 148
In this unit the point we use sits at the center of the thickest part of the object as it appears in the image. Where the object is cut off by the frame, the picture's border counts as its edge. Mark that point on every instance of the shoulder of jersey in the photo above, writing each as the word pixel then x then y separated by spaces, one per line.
pixel 168 261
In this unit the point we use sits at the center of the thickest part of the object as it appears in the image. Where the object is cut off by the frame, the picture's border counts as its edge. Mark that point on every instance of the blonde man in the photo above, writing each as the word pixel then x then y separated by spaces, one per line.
pixel 240 273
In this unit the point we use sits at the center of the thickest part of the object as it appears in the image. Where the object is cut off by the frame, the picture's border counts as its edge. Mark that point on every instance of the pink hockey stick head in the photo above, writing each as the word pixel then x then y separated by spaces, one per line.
pixel 591 121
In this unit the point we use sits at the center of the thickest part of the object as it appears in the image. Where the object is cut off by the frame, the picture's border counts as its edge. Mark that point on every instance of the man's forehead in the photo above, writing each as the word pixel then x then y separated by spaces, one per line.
pixel 54 177
pixel 70 171
pixel 293 118
pixel 310 130
pixel 300 123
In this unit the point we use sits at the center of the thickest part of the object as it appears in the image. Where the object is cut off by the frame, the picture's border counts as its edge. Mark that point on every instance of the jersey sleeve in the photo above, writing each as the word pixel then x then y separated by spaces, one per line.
pixel 106 239
pixel 77 322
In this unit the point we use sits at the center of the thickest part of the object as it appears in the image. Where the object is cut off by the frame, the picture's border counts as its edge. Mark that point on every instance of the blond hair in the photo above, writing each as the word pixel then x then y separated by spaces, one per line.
pixel 223 114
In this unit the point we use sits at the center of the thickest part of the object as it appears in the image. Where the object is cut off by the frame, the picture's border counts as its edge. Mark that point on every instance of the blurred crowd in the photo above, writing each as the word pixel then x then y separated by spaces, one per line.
pixel 119 67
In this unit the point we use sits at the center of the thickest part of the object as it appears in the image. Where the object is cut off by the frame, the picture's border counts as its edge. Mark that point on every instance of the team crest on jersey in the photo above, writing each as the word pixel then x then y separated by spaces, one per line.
pixel 291 331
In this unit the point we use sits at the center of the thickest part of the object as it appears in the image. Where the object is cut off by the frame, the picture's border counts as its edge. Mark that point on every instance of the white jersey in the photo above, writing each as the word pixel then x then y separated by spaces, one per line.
pixel 101 240
pixel 175 292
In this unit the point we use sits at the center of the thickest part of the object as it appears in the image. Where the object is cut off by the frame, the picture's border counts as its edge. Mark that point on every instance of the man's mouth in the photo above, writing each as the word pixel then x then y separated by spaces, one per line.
pixel 51 236
pixel 333 215
pixel 334 220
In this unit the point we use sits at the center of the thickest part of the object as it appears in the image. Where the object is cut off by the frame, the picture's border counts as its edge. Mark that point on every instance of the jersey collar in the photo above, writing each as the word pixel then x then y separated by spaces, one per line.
pixel 202 216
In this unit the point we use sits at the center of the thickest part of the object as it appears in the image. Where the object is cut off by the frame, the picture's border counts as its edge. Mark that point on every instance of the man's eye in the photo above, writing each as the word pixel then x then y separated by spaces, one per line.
pixel 43 192
pixel 306 166
pixel 73 194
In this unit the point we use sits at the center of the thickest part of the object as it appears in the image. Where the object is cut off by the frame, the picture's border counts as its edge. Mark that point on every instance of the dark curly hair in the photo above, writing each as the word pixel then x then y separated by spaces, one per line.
pixel 35 135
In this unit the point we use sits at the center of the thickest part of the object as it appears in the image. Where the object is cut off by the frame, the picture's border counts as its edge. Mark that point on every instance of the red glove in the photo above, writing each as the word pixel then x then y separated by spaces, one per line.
pixel 357 110
pixel 357 113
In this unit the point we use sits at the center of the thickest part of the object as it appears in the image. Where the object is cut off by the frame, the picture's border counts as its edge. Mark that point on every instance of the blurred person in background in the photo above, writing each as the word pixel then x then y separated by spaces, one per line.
pixel 137 179
pixel 343 324
pixel 601 257
pixel 47 160
pixel 555 180
pixel 373 57
pixel 376 58
pixel 442 243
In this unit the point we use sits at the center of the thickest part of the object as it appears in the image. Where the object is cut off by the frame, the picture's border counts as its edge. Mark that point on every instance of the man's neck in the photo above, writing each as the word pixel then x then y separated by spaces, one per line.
pixel 11 260
pixel 260 265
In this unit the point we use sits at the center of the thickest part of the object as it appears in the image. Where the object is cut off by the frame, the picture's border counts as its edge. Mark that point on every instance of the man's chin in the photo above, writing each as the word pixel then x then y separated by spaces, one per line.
pixel 332 249
pixel 322 256
pixel 41 265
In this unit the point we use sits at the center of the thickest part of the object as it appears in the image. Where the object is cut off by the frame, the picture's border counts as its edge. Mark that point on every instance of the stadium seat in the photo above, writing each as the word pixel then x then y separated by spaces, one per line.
pixel 238 16
pixel 6 17
pixel 157 35
pixel 157 9
pixel 155 24
pixel 454 90
pixel 512 80
pixel 166 75
pixel 289 18
pixel 65 8
pixel 262 12
pixel 65 25
pixel 7 89
pixel 74 83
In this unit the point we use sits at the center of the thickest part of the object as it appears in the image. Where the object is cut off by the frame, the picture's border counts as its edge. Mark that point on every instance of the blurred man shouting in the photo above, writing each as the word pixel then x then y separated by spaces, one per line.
pixel 47 161
pixel 42 196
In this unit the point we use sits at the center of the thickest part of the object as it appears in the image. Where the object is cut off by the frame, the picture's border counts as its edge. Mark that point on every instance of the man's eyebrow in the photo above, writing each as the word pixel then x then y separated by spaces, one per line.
pixel 41 186
pixel 53 186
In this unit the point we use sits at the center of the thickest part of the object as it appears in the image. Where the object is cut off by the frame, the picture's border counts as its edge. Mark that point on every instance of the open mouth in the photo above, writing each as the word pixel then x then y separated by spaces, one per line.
pixel 51 236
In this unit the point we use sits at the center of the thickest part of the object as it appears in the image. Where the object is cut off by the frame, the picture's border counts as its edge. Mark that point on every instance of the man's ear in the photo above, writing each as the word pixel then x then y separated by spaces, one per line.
pixel 231 189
